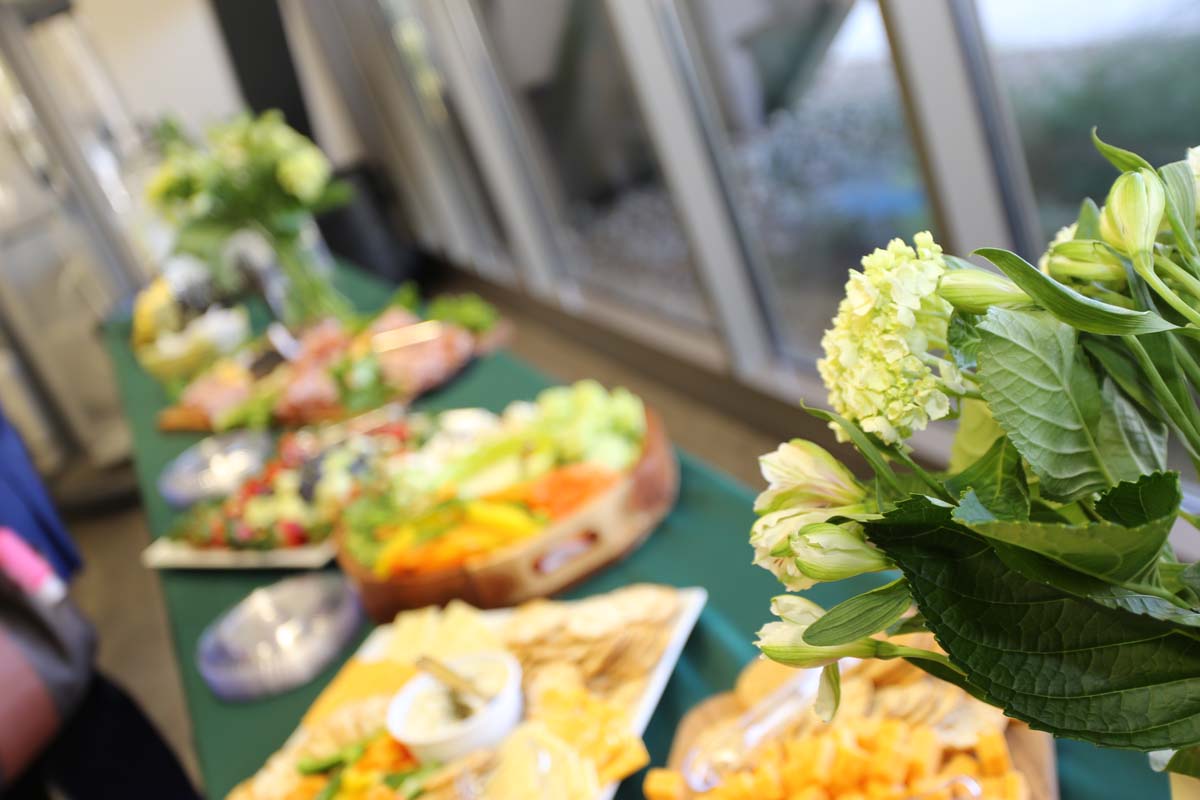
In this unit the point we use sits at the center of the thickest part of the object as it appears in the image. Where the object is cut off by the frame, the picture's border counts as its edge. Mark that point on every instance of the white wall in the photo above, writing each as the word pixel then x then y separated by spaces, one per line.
pixel 166 57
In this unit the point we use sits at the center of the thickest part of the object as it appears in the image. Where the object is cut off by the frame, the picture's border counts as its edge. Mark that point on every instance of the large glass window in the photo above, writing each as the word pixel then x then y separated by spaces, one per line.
pixel 1127 67
pixel 815 145
pixel 435 105
pixel 616 225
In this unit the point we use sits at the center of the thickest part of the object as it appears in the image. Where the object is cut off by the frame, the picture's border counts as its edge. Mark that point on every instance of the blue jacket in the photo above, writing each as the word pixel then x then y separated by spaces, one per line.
pixel 26 507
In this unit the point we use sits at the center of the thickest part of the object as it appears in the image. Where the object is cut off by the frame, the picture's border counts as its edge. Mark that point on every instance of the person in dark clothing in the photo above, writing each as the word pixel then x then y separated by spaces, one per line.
pixel 65 729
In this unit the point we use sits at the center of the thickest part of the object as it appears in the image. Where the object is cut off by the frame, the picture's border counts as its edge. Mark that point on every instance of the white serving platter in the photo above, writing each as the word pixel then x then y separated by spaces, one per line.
pixel 691 603
pixel 165 553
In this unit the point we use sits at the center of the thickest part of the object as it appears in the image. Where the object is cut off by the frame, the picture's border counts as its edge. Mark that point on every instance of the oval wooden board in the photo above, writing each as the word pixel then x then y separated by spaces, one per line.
pixel 1032 751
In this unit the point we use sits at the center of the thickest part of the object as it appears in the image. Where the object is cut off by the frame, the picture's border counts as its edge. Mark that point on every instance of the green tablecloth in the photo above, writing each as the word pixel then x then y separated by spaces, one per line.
pixel 701 543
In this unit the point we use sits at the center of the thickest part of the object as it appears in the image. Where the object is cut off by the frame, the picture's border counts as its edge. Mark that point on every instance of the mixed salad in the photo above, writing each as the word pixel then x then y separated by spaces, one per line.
pixel 429 492
pixel 377 768
pixel 482 482
pixel 299 494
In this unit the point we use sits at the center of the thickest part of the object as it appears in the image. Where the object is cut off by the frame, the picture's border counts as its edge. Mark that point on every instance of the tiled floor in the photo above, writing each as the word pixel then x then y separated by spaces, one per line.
pixel 125 600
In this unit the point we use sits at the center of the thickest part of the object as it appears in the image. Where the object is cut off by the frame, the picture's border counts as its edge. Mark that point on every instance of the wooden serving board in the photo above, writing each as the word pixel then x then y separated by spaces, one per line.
pixel 605 530
pixel 1032 751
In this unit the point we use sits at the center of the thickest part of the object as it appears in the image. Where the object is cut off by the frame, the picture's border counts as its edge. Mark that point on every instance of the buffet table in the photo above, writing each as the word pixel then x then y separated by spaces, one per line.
pixel 701 543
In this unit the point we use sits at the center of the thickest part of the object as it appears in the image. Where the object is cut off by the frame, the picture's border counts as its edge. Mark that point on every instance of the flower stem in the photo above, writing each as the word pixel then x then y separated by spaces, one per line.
pixel 1178 273
pixel 926 478
pixel 1182 421
pixel 1166 293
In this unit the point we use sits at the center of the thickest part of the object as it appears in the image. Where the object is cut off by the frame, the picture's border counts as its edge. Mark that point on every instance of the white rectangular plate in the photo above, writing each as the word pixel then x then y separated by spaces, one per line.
pixel 164 553
pixel 691 603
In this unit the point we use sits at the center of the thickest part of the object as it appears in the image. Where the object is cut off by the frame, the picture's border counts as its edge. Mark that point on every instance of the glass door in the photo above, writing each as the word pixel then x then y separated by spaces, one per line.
pixel 422 75
pixel 65 258
pixel 1063 67
pixel 806 121
pixel 616 231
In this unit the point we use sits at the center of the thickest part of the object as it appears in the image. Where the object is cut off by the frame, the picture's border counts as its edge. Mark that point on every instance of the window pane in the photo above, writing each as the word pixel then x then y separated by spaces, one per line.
pixel 435 105
pixel 820 161
pixel 615 219
pixel 1126 67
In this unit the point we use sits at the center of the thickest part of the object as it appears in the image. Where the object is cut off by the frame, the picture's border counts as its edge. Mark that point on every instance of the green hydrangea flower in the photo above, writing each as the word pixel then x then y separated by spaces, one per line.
pixel 878 366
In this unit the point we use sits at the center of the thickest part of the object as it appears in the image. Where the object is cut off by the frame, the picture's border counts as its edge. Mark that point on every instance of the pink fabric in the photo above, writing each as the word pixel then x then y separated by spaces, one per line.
pixel 24 698
pixel 22 564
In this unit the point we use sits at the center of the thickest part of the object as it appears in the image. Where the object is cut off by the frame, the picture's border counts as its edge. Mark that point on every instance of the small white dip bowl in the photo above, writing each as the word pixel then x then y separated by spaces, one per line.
pixel 486 728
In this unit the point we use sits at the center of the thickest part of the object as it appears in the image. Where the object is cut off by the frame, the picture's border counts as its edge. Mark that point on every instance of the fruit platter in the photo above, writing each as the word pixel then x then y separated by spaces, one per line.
pixel 898 734
pixel 336 368
pixel 503 508
pixel 556 699
pixel 425 507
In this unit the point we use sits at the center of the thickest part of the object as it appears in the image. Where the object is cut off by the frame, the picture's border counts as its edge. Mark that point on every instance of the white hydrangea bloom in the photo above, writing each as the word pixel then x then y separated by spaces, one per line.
pixel 874 367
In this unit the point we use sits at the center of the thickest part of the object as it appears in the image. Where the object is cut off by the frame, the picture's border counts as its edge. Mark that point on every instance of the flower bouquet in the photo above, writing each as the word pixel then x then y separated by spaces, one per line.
pixel 1040 560
pixel 256 174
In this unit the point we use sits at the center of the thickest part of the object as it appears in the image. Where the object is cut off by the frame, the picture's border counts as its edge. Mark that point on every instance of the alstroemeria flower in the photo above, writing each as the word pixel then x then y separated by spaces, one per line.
pixel 802 473
pixel 976 290
pixel 823 551
pixel 772 539
pixel 878 366
pixel 783 641
pixel 1086 260
pixel 1132 215
pixel 1064 234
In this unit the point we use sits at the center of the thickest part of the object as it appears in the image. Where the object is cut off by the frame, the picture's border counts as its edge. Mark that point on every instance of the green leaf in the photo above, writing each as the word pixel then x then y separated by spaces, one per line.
pixel 1087 226
pixel 1109 550
pixel 1134 441
pixel 1043 393
pixel 862 443
pixel 1124 160
pixel 1190 577
pixel 1123 370
pixel 1041 569
pixel 1185 762
pixel 1180 185
pixel 1151 497
pixel 977 432
pixel 863 615
pixel 1063 664
pixel 913 624
pixel 997 481
pixel 963 339
pixel 1068 305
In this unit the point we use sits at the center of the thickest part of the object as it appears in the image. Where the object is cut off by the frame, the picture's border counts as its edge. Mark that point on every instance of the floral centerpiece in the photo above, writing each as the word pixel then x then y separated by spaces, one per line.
pixel 1040 560
pixel 254 173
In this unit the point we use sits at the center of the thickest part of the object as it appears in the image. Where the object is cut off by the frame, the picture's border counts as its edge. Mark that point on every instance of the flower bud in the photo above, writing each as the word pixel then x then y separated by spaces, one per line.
pixel 975 291
pixel 1086 260
pixel 803 474
pixel 827 552
pixel 1133 214
pixel 784 642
